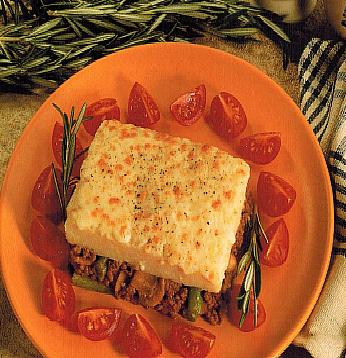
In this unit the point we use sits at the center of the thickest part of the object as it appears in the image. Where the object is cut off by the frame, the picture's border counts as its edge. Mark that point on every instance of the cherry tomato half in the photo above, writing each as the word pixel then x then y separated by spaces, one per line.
pixel 58 297
pixel 274 195
pixel 227 116
pixel 190 341
pixel 276 251
pixel 139 339
pixel 48 242
pixel 189 107
pixel 98 323
pixel 142 109
pixel 260 148
pixel 44 197
pixel 57 139
pixel 235 314
pixel 104 109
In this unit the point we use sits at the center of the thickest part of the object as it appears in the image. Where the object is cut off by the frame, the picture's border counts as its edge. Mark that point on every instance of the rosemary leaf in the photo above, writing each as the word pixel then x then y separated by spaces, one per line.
pixel 275 28
pixel 49 25
pixel 249 276
pixel 64 31
pixel 243 262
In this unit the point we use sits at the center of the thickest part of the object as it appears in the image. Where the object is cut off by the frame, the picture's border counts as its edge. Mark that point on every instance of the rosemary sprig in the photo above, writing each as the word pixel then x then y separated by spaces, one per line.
pixel 45 42
pixel 71 127
pixel 251 265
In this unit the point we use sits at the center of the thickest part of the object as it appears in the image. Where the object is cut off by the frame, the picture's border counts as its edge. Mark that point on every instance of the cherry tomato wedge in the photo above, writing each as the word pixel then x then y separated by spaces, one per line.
pixel 98 323
pixel 57 139
pixel 189 107
pixel 274 195
pixel 139 339
pixel 227 116
pixel 104 109
pixel 190 341
pixel 260 148
pixel 58 297
pixel 48 242
pixel 276 251
pixel 142 109
pixel 44 197
pixel 235 314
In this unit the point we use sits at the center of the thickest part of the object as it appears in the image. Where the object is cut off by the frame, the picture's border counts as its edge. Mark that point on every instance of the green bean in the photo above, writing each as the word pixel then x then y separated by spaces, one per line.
pixel 194 303
pixel 101 268
pixel 89 284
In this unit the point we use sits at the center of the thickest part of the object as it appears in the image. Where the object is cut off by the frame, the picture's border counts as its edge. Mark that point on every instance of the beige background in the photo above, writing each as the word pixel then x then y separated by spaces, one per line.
pixel 16 111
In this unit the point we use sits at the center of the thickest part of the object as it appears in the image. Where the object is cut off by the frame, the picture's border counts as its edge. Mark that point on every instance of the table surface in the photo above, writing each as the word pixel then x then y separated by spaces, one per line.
pixel 16 110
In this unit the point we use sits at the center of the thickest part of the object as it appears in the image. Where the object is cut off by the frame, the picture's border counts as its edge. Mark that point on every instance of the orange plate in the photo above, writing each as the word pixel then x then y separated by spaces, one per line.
pixel 168 70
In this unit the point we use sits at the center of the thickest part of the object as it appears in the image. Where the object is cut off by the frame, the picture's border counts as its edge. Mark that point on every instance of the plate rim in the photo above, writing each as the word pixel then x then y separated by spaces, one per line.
pixel 291 333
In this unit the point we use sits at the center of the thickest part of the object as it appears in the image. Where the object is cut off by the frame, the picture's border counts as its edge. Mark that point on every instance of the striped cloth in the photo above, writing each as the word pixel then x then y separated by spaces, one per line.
pixel 322 75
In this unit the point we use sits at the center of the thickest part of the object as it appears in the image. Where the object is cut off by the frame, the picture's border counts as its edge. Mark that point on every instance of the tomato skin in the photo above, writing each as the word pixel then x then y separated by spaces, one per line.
pixel 260 148
pixel 139 339
pixel 142 109
pixel 103 109
pixel 235 314
pixel 44 197
pixel 275 196
pixel 226 116
pixel 57 138
pixel 190 341
pixel 276 251
pixel 48 242
pixel 189 107
pixel 98 323
pixel 58 297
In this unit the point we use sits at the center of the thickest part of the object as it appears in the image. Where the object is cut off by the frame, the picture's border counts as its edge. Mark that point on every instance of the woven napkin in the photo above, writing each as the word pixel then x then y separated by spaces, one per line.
pixel 322 75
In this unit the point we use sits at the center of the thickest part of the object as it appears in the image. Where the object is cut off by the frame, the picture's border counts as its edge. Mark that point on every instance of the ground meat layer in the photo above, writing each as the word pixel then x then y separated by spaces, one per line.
pixel 165 296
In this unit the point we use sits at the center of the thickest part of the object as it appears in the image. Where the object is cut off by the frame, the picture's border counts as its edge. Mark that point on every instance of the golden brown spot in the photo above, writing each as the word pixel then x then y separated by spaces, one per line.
pixel 199 231
pixel 102 164
pixel 118 167
pixel 114 200
pixel 96 212
pixel 177 192
pixel 129 192
pixel 191 155
pixel 211 275
pixel 183 147
pixel 194 218
pixel 205 148
pixel 147 145
pixel 122 229
pixel 156 239
pixel 128 134
pixel 128 160
pixel 142 196
pixel 227 194
pixel 198 244
pixel 216 232
pixel 216 164
pixel 216 204
pixel 184 237
pixel 193 184
pixel 161 136
pixel 146 228
pixel 240 171
pixel 96 199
